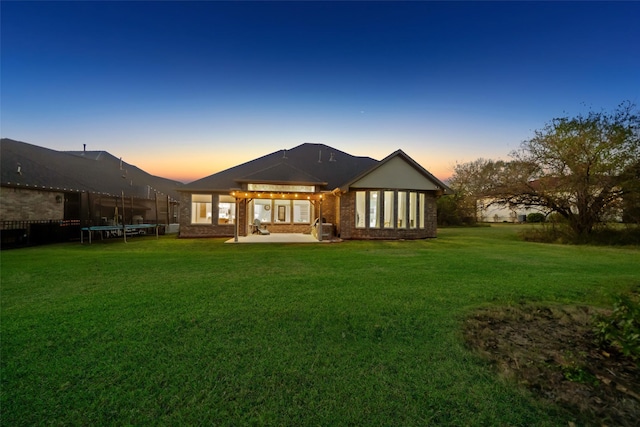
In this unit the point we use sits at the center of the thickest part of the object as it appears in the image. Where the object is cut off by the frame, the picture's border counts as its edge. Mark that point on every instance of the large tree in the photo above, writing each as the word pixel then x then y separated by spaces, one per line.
pixel 581 167
pixel 470 182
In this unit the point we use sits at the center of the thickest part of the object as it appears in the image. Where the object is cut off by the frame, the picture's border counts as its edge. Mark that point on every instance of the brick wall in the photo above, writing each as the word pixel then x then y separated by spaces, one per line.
pixel 347 229
pixel 227 230
pixel 19 204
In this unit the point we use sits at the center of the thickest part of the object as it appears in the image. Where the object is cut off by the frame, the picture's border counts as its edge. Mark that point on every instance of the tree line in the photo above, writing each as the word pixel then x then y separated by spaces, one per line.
pixel 584 170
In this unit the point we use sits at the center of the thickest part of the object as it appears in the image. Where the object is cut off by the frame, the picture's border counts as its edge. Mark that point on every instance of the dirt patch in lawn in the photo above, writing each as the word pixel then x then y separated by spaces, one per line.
pixel 553 352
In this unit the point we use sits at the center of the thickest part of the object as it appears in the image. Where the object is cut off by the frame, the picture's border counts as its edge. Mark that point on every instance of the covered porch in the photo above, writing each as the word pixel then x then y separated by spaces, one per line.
pixel 279 210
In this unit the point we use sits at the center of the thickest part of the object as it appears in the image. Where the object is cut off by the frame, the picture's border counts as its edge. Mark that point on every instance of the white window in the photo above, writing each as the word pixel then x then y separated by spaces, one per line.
pixel 402 209
pixel 282 212
pixel 226 210
pixel 360 209
pixel 374 209
pixel 421 210
pixel 388 209
pixel 201 208
pixel 301 212
pixel 262 210
pixel 413 206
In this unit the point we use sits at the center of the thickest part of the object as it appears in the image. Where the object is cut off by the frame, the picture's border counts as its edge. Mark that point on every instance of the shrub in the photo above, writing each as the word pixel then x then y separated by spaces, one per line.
pixel 556 218
pixel 536 217
pixel 547 233
pixel 621 328
pixel 616 236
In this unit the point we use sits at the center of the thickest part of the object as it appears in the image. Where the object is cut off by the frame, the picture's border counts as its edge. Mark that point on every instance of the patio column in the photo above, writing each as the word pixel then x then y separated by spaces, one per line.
pixel 320 225
pixel 235 223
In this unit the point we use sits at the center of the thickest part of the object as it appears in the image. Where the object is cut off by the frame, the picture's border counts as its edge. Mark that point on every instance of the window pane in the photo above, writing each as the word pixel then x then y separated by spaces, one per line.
pixel 262 210
pixel 201 208
pixel 413 202
pixel 360 209
pixel 301 211
pixel 374 209
pixel 283 211
pixel 421 210
pixel 226 210
pixel 388 209
pixel 402 209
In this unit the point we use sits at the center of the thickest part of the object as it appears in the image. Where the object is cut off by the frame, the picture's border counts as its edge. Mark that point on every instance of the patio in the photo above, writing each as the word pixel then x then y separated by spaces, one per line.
pixel 279 238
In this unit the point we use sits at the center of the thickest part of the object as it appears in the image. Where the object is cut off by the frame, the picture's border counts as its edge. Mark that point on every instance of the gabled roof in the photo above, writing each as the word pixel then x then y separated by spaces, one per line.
pixel 399 154
pixel 305 164
pixel 29 166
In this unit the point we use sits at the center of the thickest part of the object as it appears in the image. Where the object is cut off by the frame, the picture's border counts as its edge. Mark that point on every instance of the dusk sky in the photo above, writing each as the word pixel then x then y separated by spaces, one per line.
pixel 186 89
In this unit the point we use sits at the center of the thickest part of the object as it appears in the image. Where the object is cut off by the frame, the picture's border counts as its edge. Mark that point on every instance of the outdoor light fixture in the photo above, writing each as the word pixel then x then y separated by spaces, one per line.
pixel 58 199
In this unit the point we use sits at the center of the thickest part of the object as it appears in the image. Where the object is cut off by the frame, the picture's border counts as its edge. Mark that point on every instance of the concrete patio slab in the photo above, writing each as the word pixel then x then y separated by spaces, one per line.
pixel 278 238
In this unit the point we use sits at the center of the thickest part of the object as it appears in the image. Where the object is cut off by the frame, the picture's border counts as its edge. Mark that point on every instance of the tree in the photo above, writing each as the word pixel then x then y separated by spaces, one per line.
pixel 580 167
pixel 470 182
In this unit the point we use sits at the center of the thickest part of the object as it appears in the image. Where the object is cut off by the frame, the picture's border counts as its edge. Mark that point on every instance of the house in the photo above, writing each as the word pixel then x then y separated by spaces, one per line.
pixel 487 211
pixel 293 190
pixel 70 189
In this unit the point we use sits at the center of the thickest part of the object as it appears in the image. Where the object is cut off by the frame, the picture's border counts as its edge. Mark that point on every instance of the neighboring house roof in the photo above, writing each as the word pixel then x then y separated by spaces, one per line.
pixel 319 164
pixel 29 166
pixel 307 163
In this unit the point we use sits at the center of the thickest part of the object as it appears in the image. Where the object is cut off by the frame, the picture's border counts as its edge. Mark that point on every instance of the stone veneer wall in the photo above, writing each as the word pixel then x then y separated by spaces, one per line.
pixel 19 204
pixel 349 231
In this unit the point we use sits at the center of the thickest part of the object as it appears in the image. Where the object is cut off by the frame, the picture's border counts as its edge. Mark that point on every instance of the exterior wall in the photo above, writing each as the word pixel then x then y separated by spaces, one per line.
pixel 187 229
pixel 336 210
pixel 329 203
pixel 348 230
pixel 20 204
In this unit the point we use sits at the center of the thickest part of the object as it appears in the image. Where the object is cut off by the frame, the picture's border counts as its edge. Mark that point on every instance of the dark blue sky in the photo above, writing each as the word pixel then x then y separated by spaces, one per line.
pixel 184 90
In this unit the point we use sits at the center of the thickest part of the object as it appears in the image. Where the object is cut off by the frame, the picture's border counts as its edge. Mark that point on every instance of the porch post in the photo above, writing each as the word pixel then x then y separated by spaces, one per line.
pixel 235 223
pixel 320 225
pixel 124 227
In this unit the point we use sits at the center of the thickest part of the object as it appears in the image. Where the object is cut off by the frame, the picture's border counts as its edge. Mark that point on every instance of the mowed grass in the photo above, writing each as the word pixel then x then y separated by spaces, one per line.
pixel 197 332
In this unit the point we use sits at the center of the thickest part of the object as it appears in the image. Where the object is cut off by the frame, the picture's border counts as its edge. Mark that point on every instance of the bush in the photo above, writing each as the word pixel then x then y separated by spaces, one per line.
pixel 605 235
pixel 548 233
pixel 616 236
pixel 621 328
pixel 536 217
pixel 556 218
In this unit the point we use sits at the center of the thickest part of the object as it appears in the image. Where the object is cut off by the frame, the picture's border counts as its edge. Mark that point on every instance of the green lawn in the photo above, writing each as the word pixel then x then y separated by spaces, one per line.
pixel 188 332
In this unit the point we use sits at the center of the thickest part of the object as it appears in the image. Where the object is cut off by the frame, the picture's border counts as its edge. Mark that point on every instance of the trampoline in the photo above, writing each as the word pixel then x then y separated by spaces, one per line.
pixel 128 230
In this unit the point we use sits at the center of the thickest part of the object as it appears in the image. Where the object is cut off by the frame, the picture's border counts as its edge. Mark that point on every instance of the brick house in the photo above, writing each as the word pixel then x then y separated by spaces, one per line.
pixel 57 190
pixel 288 191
